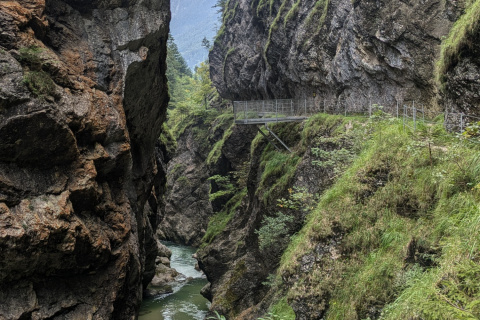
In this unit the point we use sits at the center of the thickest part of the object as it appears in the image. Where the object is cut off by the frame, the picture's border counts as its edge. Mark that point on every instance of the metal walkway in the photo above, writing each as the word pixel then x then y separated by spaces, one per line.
pixel 263 112
pixel 267 111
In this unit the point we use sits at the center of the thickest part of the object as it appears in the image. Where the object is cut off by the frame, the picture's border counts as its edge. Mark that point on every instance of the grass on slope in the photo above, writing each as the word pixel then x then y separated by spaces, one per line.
pixel 401 232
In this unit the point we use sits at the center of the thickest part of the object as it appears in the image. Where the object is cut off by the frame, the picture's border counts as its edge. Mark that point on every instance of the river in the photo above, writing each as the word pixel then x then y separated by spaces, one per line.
pixel 186 302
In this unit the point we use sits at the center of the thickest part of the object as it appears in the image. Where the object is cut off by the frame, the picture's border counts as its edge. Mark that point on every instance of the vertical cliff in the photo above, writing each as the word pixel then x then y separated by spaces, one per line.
pixel 358 51
pixel 82 99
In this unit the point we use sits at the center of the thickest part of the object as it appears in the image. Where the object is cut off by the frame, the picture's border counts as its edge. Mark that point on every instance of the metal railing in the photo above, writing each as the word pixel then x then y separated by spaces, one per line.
pixel 284 110
pixel 279 110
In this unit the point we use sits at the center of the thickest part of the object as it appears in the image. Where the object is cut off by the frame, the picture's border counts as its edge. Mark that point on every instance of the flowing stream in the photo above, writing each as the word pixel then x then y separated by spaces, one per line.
pixel 186 302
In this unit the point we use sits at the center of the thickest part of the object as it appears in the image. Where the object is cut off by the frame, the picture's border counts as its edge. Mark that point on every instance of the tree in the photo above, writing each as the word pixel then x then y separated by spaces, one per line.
pixel 178 73
pixel 175 62
pixel 205 43
pixel 221 4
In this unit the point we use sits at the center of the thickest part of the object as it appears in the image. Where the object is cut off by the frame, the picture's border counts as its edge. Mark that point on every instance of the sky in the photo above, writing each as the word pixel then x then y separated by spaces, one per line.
pixel 192 20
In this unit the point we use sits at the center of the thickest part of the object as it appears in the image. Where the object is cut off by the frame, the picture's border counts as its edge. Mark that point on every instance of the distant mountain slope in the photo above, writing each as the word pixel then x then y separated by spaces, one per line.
pixel 191 21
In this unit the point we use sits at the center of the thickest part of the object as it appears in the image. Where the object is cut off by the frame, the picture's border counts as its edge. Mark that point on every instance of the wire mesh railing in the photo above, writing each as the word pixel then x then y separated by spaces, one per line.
pixel 279 110
pixel 284 110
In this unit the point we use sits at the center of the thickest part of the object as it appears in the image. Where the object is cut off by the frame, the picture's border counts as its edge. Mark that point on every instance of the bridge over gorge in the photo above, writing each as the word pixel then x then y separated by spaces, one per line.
pixel 263 112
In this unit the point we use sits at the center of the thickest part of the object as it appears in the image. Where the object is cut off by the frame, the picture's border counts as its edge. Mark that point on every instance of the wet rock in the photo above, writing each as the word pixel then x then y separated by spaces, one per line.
pixel 153 291
pixel 164 275
pixel 207 291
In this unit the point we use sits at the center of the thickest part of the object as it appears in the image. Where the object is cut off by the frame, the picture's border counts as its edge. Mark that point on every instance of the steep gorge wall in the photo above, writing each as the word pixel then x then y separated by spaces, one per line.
pixel 188 207
pixel 82 99
pixel 359 51
pixel 237 268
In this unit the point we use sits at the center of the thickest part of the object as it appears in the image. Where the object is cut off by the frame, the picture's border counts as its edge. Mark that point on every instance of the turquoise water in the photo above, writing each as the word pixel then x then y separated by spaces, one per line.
pixel 186 302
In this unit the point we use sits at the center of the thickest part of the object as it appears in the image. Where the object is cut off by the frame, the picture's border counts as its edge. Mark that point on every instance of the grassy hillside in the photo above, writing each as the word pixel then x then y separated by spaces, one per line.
pixel 398 234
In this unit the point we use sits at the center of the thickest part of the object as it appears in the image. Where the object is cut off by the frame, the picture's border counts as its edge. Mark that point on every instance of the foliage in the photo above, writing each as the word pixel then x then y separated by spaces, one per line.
pixel 278 171
pixel 221 5
pixel 298 199
pixel 283 310
pixel 377 112
pixel 216 151
pixel 217 317
pixel 393 195
pixel 274 230
pixel 272 316
pixel 425 137
pixel 224 186
pixel 206 43
pixel 176 64
pixel 472 132
pixel 168 140
pixel 337 159
pixel 218 222
pixel 241 174
pixel 458 39
pixel 190 95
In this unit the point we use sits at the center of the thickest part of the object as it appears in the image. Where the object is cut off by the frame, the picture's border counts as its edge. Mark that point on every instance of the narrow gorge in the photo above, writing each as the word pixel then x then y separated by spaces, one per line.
pixel 110 144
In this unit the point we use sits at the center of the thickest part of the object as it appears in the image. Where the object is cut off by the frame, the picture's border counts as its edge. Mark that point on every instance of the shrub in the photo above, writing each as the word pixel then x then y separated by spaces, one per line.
pixel 274 231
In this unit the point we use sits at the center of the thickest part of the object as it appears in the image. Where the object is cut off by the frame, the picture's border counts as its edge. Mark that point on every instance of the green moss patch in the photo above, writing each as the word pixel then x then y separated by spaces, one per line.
pixel 219 221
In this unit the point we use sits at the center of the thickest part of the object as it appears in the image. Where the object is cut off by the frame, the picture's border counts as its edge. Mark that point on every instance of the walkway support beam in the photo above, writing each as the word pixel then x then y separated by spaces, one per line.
pixel 268 139
pixel 276 137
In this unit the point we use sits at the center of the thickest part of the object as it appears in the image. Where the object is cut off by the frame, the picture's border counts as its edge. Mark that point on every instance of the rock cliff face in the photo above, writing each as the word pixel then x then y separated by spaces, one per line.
pixel 82 99
pixel 188 207
pixel 358 51
pixel 461 61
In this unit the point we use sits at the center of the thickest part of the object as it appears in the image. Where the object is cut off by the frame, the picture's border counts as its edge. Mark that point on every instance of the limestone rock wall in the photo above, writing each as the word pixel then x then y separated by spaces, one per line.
pixel 359 51
pixel 188 208
pixel 82 98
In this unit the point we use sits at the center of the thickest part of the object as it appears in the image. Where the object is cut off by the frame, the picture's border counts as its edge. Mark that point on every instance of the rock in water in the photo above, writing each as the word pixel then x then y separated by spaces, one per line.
pixel 82 98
